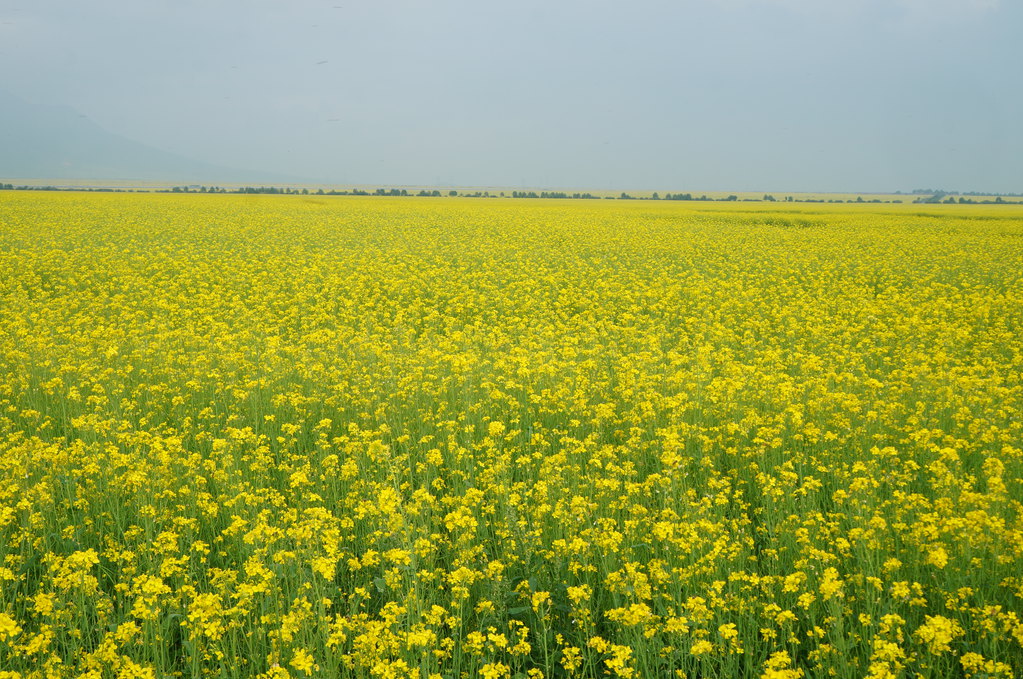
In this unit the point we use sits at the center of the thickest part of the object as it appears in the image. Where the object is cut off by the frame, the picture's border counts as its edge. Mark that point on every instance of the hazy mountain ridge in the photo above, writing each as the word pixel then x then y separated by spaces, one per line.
pixel 57 142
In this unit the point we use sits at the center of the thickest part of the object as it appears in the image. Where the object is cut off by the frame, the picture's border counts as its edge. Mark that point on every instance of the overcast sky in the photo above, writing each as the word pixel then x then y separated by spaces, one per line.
pixel 760 95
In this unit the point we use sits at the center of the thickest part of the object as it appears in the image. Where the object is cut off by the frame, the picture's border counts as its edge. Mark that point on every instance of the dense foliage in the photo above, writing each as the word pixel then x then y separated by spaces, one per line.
pixel 383 437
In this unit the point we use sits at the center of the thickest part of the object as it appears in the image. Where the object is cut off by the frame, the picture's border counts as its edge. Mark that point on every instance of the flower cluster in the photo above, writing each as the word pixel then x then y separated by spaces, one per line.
pixel 300 436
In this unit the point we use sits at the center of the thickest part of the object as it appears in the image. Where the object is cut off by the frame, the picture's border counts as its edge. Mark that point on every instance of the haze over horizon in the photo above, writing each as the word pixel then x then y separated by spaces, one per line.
pixel 746 95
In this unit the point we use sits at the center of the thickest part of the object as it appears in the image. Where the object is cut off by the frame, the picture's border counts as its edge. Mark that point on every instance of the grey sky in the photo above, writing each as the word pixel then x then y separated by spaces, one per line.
pixel 762 95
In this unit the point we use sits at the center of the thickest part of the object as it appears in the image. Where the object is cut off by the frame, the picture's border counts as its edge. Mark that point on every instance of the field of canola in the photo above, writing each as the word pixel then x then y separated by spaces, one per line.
pixel 297 436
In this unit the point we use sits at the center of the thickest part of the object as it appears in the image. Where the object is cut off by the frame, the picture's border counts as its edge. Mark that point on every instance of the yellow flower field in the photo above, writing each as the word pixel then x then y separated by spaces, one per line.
pixel 286 436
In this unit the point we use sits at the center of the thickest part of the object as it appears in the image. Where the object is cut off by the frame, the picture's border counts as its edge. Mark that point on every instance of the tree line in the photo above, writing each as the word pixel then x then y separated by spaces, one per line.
pixel 923 195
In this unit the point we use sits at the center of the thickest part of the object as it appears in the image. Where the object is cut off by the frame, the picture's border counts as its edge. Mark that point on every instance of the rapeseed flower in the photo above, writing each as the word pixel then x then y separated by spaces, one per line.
pixel 395 437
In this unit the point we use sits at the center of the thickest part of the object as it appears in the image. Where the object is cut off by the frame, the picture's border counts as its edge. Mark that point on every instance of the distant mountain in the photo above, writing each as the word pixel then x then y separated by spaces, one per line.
pixel 57 142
